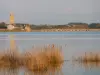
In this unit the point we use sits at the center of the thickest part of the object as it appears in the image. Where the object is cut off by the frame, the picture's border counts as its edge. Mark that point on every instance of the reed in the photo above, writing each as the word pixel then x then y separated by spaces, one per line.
pixel 44 59
pixel 55 57
pixel 9 60
pixel 38 60
pixel 90 57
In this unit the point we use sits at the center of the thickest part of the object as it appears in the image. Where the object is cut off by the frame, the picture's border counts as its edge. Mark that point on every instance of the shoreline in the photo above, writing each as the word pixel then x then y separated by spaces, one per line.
pixel 64 30
pixel 53 30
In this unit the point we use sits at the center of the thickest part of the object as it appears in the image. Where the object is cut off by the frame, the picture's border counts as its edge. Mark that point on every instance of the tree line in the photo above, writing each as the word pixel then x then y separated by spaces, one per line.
pixel 3 25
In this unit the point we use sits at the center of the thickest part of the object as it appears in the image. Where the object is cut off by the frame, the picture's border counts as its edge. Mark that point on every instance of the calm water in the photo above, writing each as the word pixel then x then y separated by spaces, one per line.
pixel 73 44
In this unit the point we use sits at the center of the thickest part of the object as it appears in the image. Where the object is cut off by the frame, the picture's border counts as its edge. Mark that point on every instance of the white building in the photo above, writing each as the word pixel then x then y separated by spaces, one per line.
pixel 10 27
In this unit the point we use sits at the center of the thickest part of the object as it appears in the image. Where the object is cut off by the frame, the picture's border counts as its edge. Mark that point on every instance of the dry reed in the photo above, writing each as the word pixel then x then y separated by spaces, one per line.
pixel 9 60
pixel 44 59
pixel 89 57
pixel 37 60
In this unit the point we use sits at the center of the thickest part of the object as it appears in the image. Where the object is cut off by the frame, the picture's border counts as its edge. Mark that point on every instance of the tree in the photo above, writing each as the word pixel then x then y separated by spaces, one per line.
pixel 3 25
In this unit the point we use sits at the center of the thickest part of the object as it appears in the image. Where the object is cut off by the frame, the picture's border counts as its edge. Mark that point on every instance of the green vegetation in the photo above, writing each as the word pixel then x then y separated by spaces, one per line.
pixel 67 26
pixel 3 25
pixel 94 25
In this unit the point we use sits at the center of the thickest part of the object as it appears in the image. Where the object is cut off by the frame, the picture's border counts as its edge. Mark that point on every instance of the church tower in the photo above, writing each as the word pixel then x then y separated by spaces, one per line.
pixel 11 18
pixel 11 25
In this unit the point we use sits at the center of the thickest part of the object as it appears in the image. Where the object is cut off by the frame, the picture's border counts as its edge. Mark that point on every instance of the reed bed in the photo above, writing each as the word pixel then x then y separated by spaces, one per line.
pixel 40 59
pixel 88 60
pixel 44 59
pixel 9 59
pixel 89 57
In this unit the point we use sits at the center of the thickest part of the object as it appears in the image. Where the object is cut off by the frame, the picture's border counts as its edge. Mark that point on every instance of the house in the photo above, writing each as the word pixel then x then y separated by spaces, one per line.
pixel 10 27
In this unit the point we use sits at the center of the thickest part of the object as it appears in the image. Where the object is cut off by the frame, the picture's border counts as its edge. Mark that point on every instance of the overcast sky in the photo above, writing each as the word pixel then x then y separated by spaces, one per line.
pixel 51 11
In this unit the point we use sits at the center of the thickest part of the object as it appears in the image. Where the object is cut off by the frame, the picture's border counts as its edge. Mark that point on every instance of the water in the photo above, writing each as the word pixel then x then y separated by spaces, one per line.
pixel 73 44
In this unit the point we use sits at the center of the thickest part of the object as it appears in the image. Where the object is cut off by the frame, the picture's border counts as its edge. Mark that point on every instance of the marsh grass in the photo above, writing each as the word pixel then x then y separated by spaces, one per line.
pixel 90 57
pixel 37 60
pixel 9 60
pixel 44 59
pixel 89 60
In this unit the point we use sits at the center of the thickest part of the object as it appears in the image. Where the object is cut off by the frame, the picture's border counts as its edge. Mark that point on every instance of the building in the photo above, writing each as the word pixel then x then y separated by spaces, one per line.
pixel 11 25
pixel 17 26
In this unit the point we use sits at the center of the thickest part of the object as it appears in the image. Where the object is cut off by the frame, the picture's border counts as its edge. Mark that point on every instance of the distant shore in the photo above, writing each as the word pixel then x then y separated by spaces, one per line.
pixel 64 30
pixel 52 30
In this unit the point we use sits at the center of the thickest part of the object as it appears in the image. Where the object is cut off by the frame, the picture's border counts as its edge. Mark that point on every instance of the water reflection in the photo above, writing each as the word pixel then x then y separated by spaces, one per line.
pixel 9 71
pixel 49 72
pixel 12 71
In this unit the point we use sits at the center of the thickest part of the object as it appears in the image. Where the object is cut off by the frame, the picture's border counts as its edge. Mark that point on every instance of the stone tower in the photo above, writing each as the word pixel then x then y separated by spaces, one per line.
pixel 11 25
pixel 11 18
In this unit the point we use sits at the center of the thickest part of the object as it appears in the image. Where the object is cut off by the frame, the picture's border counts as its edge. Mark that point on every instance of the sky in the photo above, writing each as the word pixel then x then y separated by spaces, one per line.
pixel 50 11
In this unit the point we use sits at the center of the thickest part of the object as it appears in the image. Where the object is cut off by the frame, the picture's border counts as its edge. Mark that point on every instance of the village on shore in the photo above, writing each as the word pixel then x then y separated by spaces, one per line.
pixel 21 27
